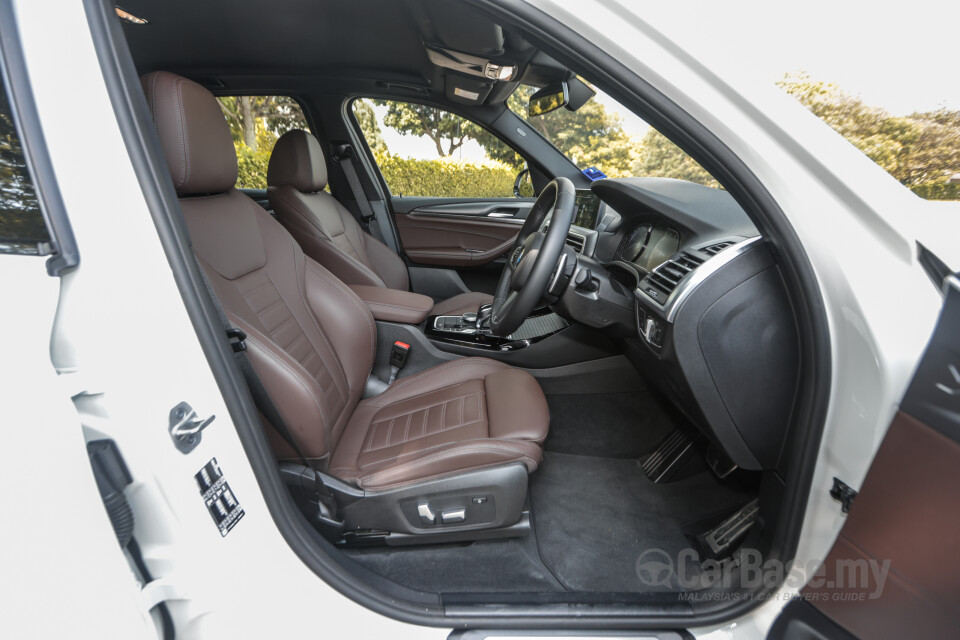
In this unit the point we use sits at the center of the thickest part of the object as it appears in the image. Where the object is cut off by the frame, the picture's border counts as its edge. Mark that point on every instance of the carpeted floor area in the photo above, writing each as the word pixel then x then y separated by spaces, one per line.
pixel 608 425
pixel 511 565
pixel 594 517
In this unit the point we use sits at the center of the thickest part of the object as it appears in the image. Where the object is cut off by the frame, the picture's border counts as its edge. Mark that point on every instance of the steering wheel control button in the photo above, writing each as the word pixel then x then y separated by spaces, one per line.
pixel 453 516
pixel 426 515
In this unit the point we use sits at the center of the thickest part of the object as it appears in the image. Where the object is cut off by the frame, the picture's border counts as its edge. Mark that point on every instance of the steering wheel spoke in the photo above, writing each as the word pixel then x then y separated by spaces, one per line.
pixel 526 276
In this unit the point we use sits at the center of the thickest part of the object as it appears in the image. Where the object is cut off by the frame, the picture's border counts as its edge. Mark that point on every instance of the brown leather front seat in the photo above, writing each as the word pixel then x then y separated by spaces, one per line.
pixel 329 233
pixel 312 340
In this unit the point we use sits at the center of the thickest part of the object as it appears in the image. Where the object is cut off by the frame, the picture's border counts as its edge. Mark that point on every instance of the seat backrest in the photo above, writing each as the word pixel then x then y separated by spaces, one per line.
pixel 325 229
pixel 310 338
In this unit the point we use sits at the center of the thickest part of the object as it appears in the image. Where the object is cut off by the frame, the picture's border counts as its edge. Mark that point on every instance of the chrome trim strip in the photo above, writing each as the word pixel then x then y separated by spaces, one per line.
pixel 710 266
pixel 561 263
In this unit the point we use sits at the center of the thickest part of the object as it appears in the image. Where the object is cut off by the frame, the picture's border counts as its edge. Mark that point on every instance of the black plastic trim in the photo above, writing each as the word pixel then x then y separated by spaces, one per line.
pixel 381 596
pixel 800 620
pixel 14 71
pixel 935 268
pixel 933 396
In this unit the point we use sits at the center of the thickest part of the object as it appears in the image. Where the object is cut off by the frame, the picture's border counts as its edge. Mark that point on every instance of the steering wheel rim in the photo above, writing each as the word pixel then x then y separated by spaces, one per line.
pixel 533 257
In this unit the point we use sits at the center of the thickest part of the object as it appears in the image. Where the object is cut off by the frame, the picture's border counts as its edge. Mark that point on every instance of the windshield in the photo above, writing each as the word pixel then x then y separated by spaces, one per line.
pixel 606 136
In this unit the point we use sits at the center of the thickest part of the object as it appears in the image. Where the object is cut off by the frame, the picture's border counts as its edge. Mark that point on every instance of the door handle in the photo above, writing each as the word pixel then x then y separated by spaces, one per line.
pixel 499 214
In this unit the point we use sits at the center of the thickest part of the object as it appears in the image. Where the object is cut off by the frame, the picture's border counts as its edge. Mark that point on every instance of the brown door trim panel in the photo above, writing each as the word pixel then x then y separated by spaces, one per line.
pixel 894 571
pixel 455 241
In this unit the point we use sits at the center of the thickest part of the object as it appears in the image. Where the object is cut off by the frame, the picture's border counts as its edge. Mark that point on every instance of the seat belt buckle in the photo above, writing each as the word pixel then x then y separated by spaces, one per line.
pixel 398 357
pixel 238 335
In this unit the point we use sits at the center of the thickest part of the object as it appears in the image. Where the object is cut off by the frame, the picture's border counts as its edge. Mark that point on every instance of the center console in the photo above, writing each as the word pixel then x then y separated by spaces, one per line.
pixel 473 330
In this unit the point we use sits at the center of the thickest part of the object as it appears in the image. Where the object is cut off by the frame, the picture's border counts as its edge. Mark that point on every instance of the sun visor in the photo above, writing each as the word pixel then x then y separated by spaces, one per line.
pixel 466 90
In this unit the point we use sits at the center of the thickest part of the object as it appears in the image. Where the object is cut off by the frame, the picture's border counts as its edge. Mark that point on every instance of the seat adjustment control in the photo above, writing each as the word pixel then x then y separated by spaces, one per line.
pixel 426 515
pixel 453 515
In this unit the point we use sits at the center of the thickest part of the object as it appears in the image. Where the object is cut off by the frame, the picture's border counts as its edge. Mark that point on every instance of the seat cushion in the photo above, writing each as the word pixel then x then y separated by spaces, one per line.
pixel 466 414
pixel 461 304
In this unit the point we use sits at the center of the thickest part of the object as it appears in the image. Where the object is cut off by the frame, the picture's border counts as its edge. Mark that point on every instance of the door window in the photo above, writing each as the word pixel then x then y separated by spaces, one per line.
pixel 22 229
pixel 426 151
pixel 255 124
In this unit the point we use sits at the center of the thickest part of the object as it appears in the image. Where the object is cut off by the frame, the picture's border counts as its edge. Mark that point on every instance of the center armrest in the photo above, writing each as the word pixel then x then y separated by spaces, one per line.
pixel 393 305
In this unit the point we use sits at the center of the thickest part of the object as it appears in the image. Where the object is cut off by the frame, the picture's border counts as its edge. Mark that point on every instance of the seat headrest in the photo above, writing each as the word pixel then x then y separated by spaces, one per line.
pixel 193 133
pixel 297 160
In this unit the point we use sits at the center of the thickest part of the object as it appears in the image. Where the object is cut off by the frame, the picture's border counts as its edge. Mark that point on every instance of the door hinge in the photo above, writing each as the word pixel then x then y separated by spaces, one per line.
pixel 844 493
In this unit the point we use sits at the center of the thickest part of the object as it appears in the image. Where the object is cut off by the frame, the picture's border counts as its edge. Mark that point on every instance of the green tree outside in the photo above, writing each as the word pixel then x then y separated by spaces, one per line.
pixel 921 150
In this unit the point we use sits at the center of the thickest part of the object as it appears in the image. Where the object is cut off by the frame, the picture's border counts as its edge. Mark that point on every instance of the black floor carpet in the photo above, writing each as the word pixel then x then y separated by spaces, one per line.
pixel 610 425
pixel 595 516
pixel 594 511
pixel 511 565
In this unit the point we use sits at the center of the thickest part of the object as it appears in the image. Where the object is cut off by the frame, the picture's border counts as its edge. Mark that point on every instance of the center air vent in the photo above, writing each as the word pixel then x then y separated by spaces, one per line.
pixel 665 278
pixel 714 249
pixel 576 242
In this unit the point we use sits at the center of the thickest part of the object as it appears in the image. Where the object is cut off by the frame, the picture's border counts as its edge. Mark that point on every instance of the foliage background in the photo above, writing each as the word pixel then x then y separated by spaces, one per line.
pixel 921 150
pixel 22 229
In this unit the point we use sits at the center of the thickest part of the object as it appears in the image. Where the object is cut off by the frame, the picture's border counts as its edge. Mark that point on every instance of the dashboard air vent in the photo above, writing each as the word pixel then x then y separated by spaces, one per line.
pixel 714 249
pixel 576 242
pixel 667 276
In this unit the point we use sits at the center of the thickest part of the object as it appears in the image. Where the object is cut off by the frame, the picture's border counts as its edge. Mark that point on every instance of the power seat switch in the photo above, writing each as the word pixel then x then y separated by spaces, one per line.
pixel 218 497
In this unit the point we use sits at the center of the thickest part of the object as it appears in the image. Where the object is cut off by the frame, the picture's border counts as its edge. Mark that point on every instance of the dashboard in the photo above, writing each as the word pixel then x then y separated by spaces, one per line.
pixel 685 281
pixel 648 246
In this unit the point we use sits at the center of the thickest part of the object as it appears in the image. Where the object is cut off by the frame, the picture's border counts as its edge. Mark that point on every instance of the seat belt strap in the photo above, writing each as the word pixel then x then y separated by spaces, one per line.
pixel 344 156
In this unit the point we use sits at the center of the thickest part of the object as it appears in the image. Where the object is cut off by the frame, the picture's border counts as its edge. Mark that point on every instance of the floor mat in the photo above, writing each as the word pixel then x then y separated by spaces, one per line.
pixel 594 517
pixel 613 425
pixel 511 565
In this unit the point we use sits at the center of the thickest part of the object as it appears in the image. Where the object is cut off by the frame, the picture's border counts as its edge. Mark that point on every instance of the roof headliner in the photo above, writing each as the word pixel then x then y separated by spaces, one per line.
pixel 379 39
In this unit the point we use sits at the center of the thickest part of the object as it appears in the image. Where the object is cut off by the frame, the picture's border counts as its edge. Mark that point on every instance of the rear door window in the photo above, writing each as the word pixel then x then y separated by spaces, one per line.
pixel 255 124
pixel 22 228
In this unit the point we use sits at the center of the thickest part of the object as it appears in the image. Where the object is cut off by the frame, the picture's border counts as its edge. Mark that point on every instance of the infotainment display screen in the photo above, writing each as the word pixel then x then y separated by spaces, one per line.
pixel 587 209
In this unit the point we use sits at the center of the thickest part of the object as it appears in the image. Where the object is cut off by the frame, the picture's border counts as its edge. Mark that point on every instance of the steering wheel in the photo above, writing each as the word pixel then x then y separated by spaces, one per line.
pixel 533 258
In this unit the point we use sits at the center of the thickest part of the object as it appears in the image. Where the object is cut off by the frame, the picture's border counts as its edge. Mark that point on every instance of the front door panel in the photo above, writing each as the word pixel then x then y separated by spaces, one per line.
pixel 894 571
pixel 431 236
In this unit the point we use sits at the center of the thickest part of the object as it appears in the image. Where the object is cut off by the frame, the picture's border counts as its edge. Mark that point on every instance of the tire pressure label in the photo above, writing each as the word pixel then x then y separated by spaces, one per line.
pixel 219 498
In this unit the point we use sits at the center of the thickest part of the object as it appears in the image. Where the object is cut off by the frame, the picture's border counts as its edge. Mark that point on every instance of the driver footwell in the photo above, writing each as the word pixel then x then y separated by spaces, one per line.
pixel 593 517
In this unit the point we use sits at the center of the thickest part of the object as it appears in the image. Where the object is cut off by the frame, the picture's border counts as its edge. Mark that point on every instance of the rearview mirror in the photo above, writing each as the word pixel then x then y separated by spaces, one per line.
pixel 550 98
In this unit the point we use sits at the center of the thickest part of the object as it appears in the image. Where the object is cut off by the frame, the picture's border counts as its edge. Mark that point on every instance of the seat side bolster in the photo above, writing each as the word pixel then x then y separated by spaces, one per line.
pixel 516 406
pixel 293 390
pixel 341 312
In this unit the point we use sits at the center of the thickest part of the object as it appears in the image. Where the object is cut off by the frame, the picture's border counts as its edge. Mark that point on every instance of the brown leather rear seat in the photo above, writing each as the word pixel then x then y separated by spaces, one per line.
pixel 312 340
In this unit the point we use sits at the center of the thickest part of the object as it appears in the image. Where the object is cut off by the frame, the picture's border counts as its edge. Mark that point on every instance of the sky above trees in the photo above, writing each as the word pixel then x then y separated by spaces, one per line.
pixel 889 54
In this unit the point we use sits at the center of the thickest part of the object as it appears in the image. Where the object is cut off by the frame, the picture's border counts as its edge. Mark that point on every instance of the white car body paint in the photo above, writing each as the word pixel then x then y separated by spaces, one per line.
pixel 125 347
pixel 123 339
